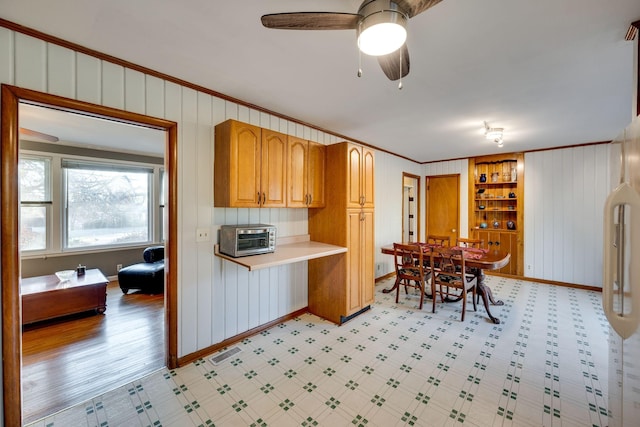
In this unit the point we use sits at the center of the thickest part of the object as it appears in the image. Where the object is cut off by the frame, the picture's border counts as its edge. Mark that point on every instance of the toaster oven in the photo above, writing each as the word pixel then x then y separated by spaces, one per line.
pixel 247 239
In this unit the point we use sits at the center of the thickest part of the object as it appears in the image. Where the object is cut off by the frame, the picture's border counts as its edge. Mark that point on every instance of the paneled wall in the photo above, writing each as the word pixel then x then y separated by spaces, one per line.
pixel 216 299
pixel 564 195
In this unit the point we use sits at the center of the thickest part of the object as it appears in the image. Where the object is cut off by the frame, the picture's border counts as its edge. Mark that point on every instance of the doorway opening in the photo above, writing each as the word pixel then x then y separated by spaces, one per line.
pixel 410 207
pixel 12 97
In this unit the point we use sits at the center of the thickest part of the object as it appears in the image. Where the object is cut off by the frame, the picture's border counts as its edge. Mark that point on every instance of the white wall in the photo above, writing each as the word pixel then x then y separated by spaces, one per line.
pixel 388 202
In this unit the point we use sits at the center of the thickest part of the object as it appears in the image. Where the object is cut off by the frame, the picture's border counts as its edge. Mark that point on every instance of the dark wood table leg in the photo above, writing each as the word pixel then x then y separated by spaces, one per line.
pixel 487 296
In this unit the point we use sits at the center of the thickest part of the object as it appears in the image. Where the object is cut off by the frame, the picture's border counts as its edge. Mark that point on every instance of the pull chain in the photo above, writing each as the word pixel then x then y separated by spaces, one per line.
pixel 359 52
pixel 400 83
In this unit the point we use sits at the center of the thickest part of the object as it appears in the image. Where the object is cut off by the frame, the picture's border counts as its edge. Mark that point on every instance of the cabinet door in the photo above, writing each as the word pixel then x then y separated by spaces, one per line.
pixel 367 177
pixel 273 181
pixel 506 241
pixel 244 165
pixel 368 259
pixel 509 242
pixel 297 172
pixel 354 176
pixel 316 167
pixel 354 261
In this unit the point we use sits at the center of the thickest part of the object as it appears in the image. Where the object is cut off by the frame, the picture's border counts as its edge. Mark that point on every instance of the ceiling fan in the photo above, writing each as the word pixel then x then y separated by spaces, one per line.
pixel 385 19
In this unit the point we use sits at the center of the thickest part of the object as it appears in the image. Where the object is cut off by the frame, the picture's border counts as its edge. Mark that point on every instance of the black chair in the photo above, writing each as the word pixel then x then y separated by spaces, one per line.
pixel 148 276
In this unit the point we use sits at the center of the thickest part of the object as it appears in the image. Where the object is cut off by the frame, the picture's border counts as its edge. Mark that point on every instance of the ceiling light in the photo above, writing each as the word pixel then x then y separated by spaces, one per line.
pixel 381 32
pixel 493 134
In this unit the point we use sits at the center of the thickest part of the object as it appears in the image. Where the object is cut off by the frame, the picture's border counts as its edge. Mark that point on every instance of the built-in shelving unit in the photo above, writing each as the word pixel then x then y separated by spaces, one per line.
pixel 496 209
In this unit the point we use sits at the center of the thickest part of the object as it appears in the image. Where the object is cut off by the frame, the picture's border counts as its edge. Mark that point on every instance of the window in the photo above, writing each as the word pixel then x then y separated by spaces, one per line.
pixel 107 204
pixel 35 202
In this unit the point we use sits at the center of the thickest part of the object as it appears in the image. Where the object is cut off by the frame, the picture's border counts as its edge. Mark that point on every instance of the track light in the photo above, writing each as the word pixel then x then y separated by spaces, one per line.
pixel 494 134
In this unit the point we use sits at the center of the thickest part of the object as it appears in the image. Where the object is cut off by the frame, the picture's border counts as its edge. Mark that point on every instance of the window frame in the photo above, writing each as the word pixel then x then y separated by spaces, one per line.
pixel 56 221
pixel 47 201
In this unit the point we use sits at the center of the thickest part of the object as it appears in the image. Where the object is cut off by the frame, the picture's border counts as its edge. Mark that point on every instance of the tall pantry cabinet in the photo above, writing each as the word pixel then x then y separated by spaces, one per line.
pixel 342 286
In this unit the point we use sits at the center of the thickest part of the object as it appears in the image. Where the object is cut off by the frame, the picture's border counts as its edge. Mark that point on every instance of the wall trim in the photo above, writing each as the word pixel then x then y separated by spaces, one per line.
pixel 547 282
pixel 9 236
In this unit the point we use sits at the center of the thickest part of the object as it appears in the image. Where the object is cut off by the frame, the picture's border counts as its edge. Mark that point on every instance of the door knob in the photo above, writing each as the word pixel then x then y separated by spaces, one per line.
pixel 453 230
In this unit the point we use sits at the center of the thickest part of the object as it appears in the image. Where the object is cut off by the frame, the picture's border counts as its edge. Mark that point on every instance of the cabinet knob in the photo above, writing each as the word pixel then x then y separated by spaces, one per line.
pixel 310 198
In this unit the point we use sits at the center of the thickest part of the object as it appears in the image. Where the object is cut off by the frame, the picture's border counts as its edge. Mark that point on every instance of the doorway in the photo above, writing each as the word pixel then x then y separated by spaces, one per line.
pixel 410 207
pixel 443 206
pixel 9 234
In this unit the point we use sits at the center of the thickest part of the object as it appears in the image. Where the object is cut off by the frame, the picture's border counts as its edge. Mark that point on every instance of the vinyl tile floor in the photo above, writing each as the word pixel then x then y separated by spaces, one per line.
pixel 545 364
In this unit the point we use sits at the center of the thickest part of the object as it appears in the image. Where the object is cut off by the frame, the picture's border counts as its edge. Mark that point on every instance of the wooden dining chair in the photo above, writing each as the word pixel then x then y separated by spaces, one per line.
pixel 450 279
pixel 469 243
pixel 411 271
pixel 438 240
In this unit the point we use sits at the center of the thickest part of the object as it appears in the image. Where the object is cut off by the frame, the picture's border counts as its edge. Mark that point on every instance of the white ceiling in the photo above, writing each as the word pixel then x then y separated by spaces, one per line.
pixel 551 72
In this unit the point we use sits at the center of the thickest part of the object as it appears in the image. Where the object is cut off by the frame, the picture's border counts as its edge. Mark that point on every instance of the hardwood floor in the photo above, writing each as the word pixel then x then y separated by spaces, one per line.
pixel 67 361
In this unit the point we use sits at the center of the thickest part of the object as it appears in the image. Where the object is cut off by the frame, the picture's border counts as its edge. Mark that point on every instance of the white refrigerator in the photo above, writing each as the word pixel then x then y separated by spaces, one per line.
pixel 621 284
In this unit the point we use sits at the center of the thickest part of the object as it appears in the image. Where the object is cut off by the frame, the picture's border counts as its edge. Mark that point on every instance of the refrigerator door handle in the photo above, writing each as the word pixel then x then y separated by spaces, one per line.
pixel 625 324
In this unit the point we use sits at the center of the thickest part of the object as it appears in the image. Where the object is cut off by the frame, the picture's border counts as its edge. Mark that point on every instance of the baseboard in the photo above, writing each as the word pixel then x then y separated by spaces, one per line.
pixel 546 282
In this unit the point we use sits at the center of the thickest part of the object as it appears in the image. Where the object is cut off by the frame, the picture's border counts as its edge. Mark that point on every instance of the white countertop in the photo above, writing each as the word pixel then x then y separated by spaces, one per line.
pixel 288 250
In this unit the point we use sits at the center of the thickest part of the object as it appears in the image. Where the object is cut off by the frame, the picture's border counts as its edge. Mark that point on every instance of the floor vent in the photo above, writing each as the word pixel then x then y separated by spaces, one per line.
pixel 218 359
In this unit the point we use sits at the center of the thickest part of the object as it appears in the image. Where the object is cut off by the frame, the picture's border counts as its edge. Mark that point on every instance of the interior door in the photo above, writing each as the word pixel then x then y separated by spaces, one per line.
pixel 443 206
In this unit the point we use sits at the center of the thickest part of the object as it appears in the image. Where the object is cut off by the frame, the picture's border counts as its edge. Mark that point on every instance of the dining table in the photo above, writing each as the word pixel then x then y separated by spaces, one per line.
pixel 477 261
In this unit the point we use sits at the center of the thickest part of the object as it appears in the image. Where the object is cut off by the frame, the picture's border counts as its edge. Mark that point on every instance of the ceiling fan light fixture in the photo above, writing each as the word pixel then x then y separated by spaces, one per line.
pixel 382 32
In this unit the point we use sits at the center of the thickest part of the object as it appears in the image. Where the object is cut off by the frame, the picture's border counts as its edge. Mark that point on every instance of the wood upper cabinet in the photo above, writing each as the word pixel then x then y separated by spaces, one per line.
pixel 360 167
pixel 249 166
pixel 316 176
pixel 273 169
pixel 305 173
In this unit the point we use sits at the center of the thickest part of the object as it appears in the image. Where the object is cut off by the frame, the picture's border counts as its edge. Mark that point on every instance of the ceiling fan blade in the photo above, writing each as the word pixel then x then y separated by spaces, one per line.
pixel 39 135
pixel 414 7
pixel 390 63
pixel 311 21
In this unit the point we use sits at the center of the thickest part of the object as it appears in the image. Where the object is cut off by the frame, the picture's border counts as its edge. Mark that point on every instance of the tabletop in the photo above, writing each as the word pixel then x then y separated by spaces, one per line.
pixel 492 259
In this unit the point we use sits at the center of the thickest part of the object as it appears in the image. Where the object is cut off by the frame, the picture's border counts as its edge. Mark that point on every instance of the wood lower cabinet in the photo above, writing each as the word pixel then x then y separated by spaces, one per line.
pixel 505 240
pixel 360 259
pixel 341 286
pixel 249 166
pixel 305 173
